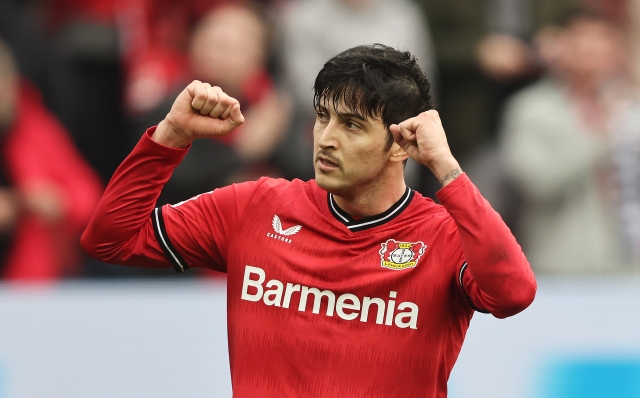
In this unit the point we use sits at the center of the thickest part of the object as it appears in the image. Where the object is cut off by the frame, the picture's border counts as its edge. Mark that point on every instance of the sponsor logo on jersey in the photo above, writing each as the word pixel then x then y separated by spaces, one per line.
pixel 401 255
pixel 281 234
pixel 347 306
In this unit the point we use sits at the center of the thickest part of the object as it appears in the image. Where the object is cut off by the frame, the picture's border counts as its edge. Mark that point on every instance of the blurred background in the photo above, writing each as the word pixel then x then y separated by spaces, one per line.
pixel 540 100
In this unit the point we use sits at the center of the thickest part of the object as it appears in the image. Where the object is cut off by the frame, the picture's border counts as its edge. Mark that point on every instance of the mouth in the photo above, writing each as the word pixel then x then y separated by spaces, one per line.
pixel 326 164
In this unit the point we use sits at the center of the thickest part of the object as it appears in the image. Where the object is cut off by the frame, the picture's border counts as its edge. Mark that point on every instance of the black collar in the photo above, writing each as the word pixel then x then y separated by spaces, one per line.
pixel 372 221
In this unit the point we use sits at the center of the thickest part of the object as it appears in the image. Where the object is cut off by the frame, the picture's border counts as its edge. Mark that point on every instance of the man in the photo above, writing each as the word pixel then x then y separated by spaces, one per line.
pixel 349 285
pixel 569 148
pixel 46 196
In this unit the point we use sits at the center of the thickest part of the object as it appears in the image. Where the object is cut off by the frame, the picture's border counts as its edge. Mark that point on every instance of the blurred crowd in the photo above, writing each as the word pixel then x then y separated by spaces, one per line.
pixel 540 100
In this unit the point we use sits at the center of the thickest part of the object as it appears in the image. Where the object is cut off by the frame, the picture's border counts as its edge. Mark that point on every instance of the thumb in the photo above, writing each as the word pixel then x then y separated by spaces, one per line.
pixel 395 131
pixel 402 135
pixel 236 115
pixel 235 119
pixel 406 139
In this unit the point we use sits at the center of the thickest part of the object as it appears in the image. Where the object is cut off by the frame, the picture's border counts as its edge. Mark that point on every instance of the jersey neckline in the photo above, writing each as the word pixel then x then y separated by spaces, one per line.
pixel 372 221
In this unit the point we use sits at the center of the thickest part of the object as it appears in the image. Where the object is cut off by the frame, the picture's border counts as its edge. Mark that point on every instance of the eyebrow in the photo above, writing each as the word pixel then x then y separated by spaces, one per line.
pixel 343 115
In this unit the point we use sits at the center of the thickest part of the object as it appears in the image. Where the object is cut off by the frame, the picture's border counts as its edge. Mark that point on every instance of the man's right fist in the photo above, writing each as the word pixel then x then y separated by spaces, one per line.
pixel 200 111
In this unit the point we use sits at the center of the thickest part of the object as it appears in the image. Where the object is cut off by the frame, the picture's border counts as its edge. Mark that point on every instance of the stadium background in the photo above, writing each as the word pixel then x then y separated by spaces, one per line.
pixel 80 80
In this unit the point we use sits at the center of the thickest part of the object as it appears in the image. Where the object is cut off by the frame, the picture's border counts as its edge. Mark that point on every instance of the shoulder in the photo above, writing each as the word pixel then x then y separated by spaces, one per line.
pixel 236 198
pixel 268 185
pixel 542 107
pixel 281 188
pixel 426 211
pixel 426 221
pixel 279 184
pixel 435 221
pixel 544 94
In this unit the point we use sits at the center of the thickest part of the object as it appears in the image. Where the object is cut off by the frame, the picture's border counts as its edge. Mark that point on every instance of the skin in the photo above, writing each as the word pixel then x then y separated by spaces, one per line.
pixel 351 158
pixel 352 162
pixel 593 52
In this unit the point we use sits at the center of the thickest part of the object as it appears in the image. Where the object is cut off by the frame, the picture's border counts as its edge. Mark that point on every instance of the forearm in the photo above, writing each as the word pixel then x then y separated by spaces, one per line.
pixel 124 211
pixel 496 262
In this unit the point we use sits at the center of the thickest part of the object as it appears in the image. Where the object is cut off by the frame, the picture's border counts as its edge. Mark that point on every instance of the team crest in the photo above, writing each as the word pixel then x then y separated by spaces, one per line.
pixel 401 255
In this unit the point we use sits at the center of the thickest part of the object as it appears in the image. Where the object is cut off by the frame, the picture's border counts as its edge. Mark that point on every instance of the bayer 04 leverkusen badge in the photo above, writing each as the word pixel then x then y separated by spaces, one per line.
pixel 401 255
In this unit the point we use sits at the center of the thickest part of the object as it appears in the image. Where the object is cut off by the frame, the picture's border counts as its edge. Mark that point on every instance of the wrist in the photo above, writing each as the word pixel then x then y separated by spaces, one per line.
pixel 445 169
pixel 166 135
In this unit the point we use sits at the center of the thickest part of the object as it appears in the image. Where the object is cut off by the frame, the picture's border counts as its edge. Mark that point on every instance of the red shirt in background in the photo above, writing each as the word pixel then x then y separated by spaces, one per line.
pixel 38 150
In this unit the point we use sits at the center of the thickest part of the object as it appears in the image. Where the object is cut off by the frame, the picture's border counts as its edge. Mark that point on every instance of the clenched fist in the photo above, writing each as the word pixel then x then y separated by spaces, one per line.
pixel 423 138
pixel 200 111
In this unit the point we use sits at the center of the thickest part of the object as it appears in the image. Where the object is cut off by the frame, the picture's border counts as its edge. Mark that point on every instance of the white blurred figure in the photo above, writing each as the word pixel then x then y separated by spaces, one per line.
pixel 558 138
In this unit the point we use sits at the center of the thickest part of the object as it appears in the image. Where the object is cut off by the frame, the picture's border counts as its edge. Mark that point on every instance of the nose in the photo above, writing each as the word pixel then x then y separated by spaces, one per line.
pixel 326 135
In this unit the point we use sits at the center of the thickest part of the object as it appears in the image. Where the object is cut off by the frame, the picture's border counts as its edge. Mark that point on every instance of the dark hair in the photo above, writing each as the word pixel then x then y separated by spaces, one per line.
pixel 375 81
pixel 577 13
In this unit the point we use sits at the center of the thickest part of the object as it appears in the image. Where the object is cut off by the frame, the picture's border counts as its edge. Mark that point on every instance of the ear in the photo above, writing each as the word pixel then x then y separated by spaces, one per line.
pixel 397 154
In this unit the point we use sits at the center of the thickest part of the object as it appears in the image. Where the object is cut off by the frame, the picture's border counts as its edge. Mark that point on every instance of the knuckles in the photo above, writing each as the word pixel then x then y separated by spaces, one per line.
pixel 207 95
pixel 430 114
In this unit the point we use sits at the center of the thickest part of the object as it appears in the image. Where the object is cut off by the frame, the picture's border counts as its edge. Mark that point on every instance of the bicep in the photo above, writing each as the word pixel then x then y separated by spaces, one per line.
pixel 142 250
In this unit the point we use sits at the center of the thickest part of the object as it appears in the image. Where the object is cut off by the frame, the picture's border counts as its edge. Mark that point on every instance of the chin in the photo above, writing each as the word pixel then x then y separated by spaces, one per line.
pixel 329 184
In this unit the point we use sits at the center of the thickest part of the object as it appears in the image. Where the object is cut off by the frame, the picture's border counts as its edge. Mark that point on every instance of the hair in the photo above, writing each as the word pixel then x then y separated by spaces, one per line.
pixel 374 81
pixel 578 13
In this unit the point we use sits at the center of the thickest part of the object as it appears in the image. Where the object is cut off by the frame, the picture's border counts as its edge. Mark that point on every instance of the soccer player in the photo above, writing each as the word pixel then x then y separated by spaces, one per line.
pixel 349 285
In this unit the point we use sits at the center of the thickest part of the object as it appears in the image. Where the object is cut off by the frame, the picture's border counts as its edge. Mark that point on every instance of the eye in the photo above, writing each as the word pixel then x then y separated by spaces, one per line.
pixel 352 125
pixel 322 116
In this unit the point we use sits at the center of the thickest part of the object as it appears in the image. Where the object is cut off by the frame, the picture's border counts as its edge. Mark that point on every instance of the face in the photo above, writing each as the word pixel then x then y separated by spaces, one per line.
pixel 350 153
pixel 593 50
pixel 228 46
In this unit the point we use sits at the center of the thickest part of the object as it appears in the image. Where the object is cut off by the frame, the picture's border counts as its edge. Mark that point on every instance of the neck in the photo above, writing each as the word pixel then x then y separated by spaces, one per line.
pixel 582 87
pixel 375 198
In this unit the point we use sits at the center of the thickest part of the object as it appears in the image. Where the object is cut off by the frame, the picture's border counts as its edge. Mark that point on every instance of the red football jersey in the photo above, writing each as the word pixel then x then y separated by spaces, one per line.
pixel 321 304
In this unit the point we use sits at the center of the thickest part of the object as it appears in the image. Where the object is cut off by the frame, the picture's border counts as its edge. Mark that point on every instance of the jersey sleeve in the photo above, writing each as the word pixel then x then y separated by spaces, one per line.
pixel 197 232
pixel 454 257
pixel 127 229
pixel 492 272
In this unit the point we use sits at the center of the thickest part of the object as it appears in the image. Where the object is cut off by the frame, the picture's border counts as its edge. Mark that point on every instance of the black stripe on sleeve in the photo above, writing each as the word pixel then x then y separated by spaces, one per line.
pixel 462 269
pixel 163 239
